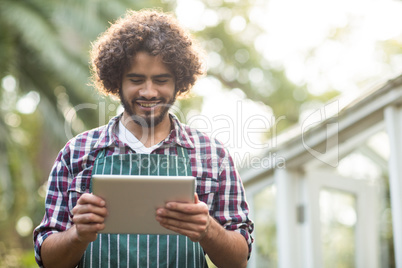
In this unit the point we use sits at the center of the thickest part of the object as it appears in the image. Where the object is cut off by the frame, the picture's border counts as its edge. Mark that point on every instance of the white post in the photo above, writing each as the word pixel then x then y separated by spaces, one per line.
pixel 286 223
pixel 393 120
pixel 312 227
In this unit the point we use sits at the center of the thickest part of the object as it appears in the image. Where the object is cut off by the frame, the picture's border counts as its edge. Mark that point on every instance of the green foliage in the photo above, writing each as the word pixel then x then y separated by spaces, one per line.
pixel 43 52
pixel 17 258
pixel 28 259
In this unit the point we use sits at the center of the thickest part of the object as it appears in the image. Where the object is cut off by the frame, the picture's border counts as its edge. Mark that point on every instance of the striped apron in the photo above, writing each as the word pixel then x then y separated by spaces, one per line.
pixel 140 250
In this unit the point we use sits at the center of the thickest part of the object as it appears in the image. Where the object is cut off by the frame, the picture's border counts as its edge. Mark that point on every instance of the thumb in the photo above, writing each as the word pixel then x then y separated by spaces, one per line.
pixel 196 200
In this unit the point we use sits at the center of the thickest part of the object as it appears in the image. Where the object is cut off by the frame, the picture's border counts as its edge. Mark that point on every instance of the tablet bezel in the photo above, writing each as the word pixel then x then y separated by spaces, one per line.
pixel 132 200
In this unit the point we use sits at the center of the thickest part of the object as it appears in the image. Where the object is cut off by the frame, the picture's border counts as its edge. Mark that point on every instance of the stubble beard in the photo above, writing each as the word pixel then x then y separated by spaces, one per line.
pixel 150 120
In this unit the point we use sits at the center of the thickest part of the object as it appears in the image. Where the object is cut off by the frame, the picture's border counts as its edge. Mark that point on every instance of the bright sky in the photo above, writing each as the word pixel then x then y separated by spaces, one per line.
pixel 293 29
pixel 342 64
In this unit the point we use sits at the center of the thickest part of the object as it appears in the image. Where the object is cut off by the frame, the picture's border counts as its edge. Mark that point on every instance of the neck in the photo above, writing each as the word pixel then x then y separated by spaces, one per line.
pixel 148 136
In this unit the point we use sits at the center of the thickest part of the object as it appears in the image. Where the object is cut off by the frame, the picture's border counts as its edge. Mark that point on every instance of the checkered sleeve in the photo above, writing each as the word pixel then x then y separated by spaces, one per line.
pixel 56 218
pixel 231 206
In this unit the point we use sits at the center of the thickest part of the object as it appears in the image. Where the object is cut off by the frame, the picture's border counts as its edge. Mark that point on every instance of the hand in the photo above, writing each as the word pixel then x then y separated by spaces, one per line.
pixel 189 219
pixel 89 216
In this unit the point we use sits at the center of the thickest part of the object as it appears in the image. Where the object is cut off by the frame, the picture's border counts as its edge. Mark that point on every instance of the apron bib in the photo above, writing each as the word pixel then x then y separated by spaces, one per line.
pixel 140 250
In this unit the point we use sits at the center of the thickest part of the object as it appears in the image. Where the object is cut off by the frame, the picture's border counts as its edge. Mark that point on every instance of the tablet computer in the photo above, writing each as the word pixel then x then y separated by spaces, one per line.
pixel 132 200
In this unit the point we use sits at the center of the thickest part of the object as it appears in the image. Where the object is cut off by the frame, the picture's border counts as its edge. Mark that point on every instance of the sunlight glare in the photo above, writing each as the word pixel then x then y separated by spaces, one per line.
pixel 28 103
pixel 24 226
pixel 237 24
pixel 229 73
pixel 256 76
pixel 297 40
pixel 242 55
pixel 9 83
pixel 190 14
pixel 12 119
pixel 210 18
pixel 214 60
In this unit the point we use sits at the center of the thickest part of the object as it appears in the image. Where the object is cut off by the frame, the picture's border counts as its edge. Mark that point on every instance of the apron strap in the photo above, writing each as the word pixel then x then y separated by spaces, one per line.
pixel 100 159
pixel 182 152
pixel 101 155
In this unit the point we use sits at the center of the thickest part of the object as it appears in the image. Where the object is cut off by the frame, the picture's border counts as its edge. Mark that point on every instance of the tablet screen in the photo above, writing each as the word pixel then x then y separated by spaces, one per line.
pixel 132 200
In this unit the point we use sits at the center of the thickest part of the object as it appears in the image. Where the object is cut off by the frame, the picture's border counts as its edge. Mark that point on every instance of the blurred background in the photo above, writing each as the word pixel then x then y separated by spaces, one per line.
pixel 272 58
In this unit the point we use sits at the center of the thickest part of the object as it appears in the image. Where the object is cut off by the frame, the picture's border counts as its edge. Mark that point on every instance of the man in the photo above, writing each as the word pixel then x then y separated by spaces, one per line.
pixel 147 60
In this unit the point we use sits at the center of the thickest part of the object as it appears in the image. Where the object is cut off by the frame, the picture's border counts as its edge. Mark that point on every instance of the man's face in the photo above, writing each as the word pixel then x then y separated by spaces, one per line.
pixel 148 90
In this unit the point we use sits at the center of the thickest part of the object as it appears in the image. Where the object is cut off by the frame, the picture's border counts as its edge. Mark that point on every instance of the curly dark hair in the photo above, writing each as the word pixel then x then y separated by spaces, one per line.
pixel 154 32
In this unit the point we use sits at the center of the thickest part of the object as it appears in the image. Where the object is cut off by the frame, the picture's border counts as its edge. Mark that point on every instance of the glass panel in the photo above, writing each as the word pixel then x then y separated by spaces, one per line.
pixel 265 228
pixel 380 144
pixel 387 251
pixel 369 161
pixel 338 221
pixel 358 166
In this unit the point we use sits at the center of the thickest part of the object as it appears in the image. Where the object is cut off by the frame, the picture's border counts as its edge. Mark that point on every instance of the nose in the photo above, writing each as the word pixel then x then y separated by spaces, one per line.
pixel 149 90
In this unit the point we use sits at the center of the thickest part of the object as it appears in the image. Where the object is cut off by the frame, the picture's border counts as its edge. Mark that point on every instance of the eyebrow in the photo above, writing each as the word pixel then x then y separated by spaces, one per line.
pixel 164 75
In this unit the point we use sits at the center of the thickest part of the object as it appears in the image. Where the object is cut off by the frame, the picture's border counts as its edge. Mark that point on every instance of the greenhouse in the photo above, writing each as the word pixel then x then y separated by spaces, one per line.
pixel 332 197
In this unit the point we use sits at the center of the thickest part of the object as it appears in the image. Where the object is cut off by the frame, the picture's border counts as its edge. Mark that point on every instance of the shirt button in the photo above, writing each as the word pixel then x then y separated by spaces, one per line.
pixel 83 188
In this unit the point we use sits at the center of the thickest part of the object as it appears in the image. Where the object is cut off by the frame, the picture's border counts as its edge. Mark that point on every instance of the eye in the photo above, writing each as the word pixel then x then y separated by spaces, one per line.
pixel 161 81
pixel 137 81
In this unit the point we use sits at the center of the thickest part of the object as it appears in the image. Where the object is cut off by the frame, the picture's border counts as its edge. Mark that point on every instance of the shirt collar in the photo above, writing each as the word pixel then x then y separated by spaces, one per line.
pixel 107 135
pixel 178 135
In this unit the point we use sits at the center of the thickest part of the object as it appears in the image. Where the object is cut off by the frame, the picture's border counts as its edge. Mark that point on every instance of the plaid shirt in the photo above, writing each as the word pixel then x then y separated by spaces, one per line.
pixel 218 183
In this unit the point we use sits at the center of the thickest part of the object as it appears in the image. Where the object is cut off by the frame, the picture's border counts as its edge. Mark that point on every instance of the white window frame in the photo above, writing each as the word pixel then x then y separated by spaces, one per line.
pixel 393 120
pixel 251 191
pixel 367 240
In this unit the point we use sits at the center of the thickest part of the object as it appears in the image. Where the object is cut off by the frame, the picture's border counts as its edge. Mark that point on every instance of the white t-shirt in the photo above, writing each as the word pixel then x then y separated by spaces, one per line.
pixel 128 138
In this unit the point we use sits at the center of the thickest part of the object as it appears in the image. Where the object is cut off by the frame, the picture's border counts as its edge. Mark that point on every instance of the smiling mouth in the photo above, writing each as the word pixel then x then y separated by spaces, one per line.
pixel 148 104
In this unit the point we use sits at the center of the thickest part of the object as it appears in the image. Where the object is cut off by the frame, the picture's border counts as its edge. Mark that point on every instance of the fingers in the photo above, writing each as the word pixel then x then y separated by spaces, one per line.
pixel 194 227
pixel 193 234
pixel 89 209
pixel 199 219
pixel 191 220
pixel 196 213
pixel 189 208
pixel 194 223
pixel 88 232
pixel 85 230
pixel 91 199
pixel 89 216
pixel 89 203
